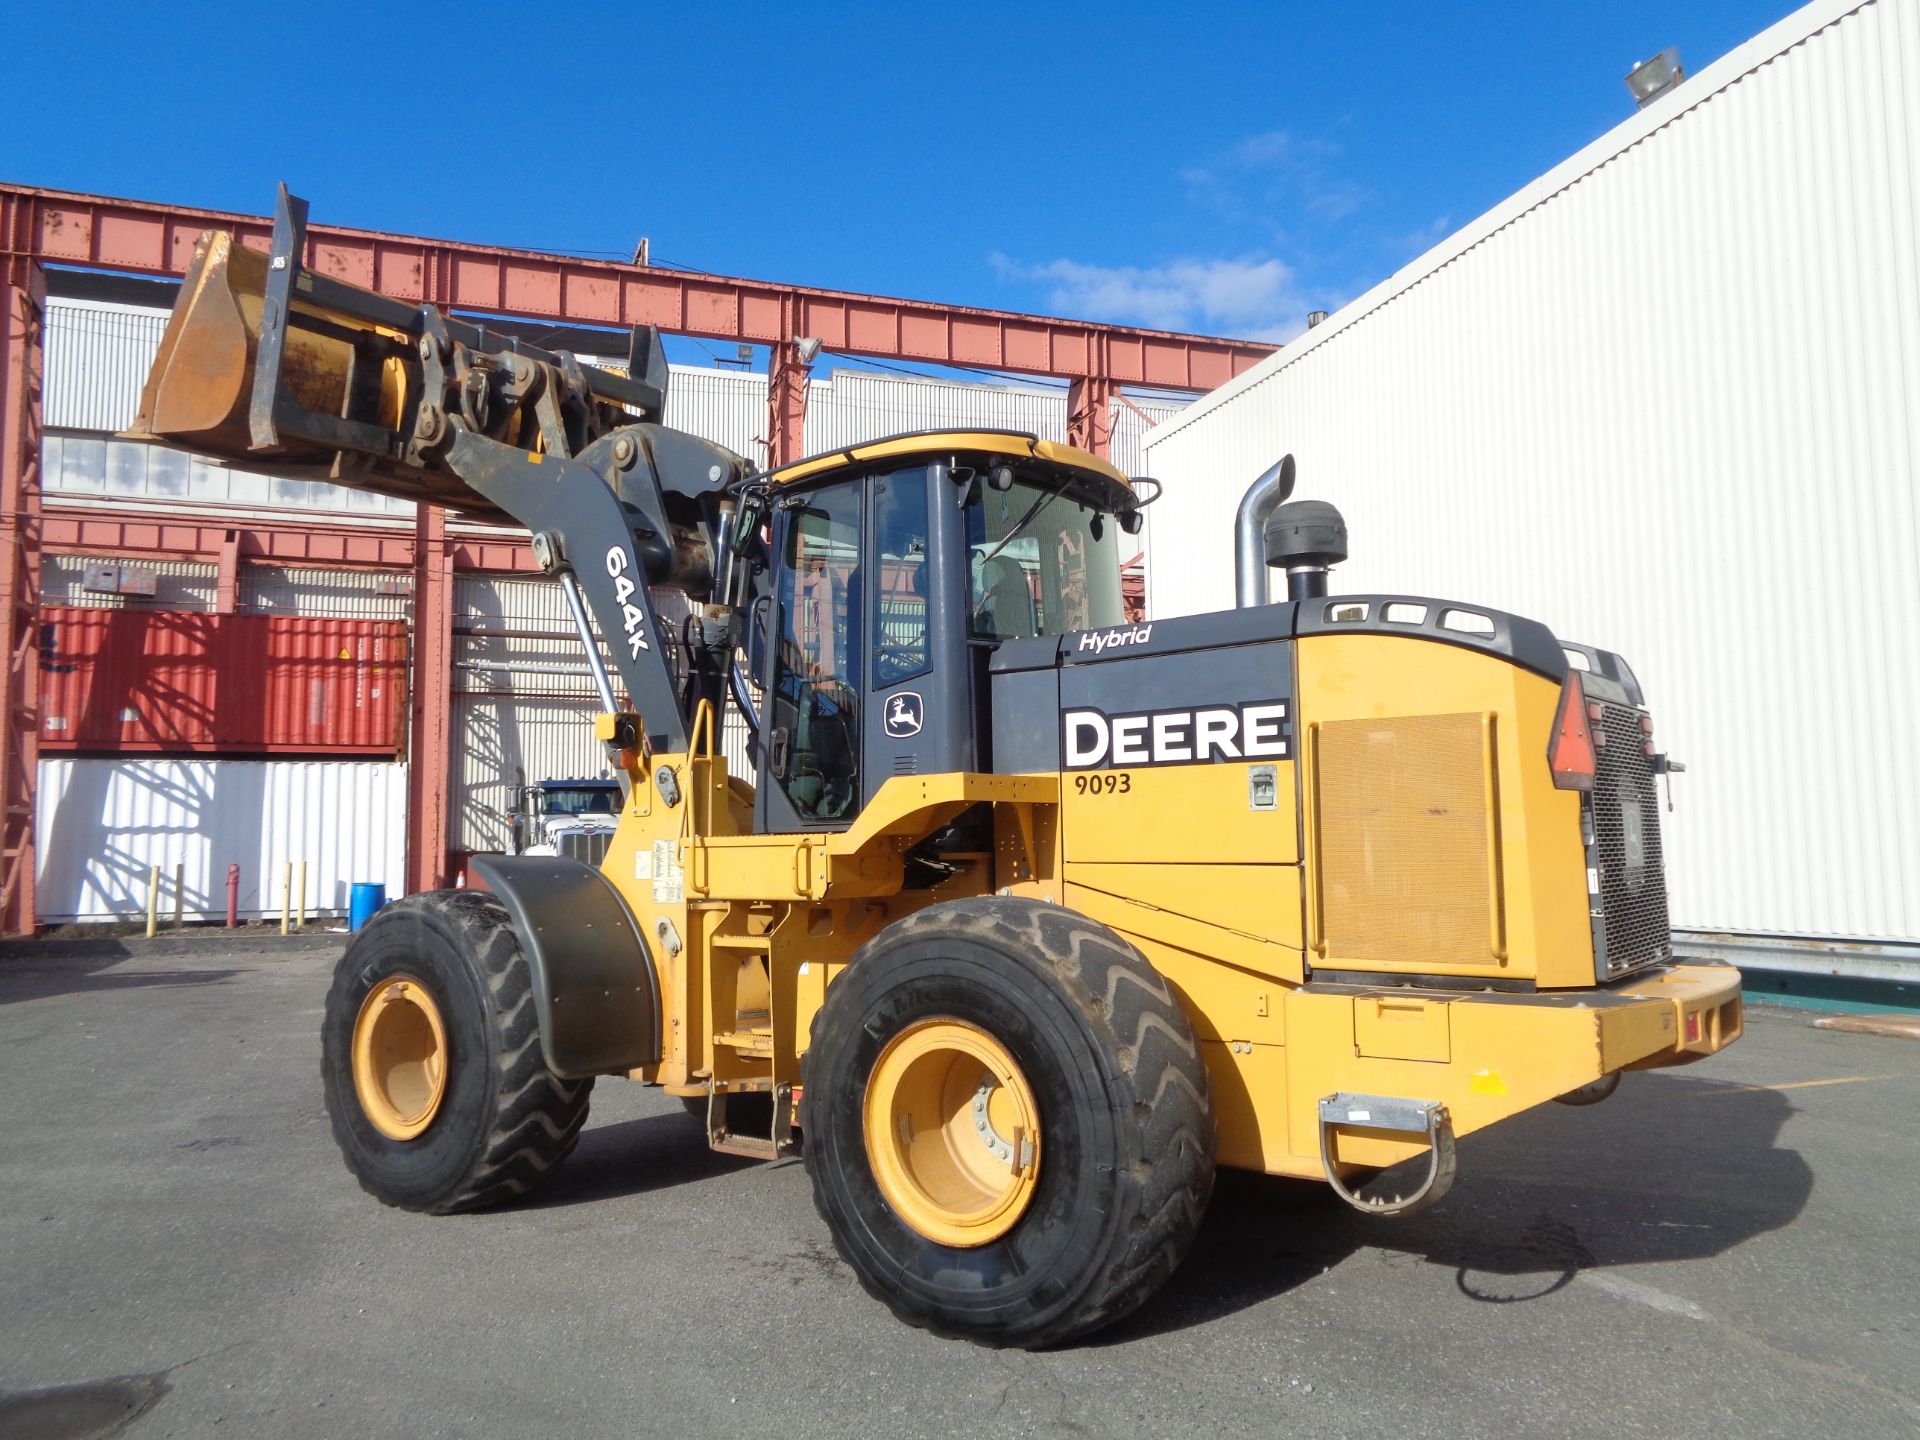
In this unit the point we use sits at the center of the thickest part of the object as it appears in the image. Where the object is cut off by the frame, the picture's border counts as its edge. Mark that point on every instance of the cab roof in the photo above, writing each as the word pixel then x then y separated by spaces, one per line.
pixel 1016 444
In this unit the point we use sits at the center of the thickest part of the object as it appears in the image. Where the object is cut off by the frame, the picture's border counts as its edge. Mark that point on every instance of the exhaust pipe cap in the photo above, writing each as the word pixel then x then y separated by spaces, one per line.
pixel 1306 533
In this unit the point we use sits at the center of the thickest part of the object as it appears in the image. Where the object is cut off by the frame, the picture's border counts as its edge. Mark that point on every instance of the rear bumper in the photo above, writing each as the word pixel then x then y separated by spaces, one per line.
pixel 1488 1055
pixel 1698 1011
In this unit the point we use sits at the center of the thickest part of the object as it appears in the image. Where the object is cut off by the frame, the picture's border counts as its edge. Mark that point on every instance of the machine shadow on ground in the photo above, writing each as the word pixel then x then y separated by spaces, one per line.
pixel 50 969
pixel 634 1157
pixel 1672 1168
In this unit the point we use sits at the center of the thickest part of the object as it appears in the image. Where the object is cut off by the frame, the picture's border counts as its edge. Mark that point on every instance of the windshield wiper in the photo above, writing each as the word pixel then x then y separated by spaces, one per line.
pixel 1025 520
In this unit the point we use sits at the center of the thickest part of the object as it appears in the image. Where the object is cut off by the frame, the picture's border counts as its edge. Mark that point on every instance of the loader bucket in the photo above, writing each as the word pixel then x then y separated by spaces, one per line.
pixel 269 363
pixel 200 388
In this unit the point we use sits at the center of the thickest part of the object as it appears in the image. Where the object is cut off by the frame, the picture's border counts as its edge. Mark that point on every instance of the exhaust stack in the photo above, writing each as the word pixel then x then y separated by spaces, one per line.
pixel 1263 497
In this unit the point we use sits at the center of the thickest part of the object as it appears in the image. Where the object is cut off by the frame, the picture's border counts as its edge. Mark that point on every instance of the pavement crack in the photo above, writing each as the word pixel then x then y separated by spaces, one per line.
pixel 1655 1298
pixel 1000 1363
pixel 1824 1369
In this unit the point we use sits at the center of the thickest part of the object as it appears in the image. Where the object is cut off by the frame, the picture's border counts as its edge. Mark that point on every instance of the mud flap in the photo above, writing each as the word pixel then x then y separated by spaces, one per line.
pixel 595 991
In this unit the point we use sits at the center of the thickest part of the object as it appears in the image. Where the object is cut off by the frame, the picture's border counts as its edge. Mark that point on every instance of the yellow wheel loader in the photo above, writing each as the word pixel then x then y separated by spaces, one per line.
pixel 1032 916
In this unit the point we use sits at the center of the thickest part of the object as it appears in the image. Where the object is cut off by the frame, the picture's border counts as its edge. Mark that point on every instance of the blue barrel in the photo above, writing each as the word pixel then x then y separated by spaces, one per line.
pixel 362 901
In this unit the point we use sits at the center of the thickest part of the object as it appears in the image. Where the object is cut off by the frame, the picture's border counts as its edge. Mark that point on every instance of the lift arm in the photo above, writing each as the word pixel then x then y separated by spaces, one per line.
pixel 270 362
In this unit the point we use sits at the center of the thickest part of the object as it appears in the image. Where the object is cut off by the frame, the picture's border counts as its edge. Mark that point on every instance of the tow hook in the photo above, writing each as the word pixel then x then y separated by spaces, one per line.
pixel 1387 1112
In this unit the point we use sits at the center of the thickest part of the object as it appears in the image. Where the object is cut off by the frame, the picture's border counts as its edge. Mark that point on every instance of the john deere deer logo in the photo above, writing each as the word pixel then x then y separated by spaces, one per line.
pixel 905 713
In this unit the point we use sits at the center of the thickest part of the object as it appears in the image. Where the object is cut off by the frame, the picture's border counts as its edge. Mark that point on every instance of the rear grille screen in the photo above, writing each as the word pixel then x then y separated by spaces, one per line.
pixel 1402 822
pixel 1630 909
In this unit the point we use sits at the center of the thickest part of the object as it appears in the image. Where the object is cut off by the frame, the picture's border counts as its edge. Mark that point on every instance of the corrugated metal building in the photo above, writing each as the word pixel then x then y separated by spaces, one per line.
pixel 1667 399
pixel 523 701
pixel 101 826
pixel 853 405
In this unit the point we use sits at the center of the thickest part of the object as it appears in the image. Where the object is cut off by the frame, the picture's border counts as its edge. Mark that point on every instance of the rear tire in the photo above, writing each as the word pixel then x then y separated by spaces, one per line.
pixel 1091 1050
pixel 500 1121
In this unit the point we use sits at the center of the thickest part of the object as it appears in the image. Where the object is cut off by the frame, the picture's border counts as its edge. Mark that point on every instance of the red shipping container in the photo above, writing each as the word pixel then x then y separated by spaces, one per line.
pixel 181 682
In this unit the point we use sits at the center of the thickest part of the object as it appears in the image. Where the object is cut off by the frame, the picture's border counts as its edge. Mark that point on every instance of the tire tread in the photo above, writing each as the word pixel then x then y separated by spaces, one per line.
pixel 537 1116
pixel 1139 1022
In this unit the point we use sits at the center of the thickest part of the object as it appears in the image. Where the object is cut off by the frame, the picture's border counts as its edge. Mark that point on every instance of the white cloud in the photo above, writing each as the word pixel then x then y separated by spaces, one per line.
pixel 1266 191
pixel 1249 297
pixel 1275 171
pixel 1418 242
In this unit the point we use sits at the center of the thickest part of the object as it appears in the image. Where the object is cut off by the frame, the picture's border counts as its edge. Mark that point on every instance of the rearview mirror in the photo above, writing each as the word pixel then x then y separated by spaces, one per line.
pixel 746 530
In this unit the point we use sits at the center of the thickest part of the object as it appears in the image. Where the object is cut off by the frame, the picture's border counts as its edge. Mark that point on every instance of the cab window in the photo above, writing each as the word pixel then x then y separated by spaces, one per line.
pixel 1040 563
pixel 900 648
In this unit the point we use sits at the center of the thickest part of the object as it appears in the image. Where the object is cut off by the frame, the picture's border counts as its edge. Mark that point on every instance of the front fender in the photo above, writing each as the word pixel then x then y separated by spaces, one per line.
pixel 595 990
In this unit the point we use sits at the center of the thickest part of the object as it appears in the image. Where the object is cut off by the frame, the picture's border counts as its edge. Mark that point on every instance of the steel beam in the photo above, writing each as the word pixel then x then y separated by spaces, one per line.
pixel 429 750
pixel 1090 414
pixel 227 593
pixel 96 530
pixel 787 376
pixel 22 307
pixel 101 232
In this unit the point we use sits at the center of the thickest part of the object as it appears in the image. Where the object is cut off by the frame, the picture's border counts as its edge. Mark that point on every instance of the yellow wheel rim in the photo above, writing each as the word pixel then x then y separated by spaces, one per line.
pixel 399 1057
pixel 952 1133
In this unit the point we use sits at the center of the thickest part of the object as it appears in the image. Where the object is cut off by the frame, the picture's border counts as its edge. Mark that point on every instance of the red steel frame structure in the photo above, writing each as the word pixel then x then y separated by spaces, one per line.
pixel 52 227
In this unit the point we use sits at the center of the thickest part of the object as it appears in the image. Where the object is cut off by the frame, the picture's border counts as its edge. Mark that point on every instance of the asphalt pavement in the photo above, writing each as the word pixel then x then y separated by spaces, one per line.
pixel 1728 1249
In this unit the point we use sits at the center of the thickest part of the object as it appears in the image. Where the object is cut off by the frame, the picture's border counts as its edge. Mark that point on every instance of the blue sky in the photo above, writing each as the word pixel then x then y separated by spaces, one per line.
pixel 1222 168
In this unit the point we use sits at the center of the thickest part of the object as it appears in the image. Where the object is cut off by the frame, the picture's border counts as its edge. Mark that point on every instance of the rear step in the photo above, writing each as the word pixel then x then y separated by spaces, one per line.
pixel 777 1145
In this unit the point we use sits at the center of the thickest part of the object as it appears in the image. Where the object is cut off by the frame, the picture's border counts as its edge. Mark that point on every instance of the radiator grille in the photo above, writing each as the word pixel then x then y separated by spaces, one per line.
pixel 1404 841
pixel 1630 921
pixel 589 846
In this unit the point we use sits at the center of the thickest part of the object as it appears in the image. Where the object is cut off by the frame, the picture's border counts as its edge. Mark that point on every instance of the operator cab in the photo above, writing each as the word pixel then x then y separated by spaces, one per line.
pixel 896 569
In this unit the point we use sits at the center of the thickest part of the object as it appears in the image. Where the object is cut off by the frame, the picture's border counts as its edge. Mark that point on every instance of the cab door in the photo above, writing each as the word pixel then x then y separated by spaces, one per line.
pixel 864 664
pixel 810 754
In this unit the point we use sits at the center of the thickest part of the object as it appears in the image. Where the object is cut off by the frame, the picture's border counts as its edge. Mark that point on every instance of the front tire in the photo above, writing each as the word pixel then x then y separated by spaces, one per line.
pixel 1009 1125
pixel 436 1086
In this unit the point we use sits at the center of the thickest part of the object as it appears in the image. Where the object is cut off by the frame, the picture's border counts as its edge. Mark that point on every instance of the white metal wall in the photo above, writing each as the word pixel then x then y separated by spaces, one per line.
pixel 1667 399
pixel 1131 424
pixel 524 703
pixel 97 357
pixel 100 825
pixel 334 594
pixel 856 405
pixel 727 406
pixel 522 700
pixel 178 584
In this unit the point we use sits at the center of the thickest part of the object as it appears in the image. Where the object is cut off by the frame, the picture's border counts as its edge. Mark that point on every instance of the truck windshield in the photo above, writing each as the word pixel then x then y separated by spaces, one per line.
pixel 596 800
pixel 1040 562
